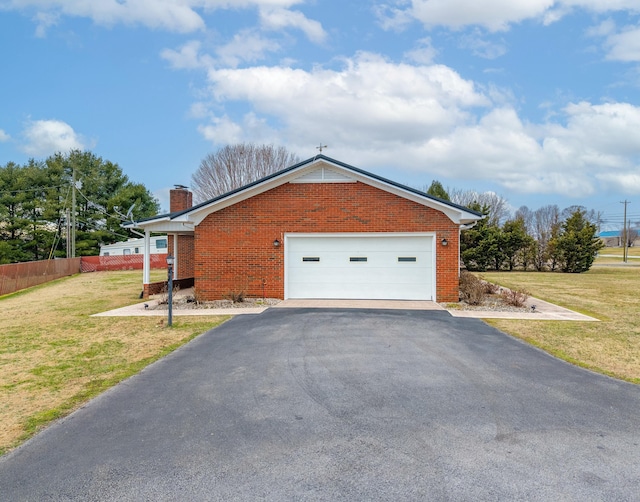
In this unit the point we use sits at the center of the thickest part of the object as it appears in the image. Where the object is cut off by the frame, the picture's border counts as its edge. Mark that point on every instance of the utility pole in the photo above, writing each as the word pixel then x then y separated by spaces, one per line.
pixel 73 213
pixel 68 223
pixel 624 231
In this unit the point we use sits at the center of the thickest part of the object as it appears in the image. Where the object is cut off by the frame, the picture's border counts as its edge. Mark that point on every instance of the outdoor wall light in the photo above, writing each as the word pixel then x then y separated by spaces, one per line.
pixel 276 243
pixel 444 242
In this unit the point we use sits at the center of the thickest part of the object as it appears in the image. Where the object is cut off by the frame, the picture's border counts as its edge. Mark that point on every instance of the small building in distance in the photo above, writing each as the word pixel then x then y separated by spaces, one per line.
pixel 135 246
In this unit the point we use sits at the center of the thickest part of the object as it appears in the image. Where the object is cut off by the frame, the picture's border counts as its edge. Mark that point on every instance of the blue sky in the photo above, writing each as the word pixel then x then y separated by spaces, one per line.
pixel 536 100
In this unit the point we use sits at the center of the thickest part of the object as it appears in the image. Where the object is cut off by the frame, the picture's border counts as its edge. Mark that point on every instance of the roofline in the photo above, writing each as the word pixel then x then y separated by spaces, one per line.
pixel 285 171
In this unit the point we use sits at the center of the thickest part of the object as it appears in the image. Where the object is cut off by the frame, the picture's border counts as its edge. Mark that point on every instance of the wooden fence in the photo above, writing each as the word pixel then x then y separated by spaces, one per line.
pixel 17 276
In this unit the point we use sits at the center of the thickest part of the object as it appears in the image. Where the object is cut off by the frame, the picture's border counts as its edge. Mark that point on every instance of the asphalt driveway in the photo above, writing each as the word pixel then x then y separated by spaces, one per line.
pixel 309 404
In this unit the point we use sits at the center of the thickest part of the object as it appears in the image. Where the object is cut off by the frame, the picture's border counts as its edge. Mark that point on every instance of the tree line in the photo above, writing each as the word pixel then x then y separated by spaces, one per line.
pixel 546 239
pixel 36 202
pixel 36 205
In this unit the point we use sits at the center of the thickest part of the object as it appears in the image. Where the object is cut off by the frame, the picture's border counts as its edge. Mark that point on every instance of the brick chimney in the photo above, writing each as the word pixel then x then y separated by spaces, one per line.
pixel 180 198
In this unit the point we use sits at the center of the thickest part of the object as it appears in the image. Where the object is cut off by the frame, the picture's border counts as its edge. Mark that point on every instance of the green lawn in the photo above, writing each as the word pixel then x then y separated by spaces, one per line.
pixel 54 356
pixel 609 293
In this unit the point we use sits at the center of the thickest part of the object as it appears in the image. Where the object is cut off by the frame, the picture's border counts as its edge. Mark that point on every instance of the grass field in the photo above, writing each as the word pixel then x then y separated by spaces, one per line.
pixel 632 251
pixel 54 356
pixel 609 293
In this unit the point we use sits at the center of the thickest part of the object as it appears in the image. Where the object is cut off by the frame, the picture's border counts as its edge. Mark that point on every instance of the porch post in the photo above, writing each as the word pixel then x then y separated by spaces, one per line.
pixel 176 258
pixel 146 263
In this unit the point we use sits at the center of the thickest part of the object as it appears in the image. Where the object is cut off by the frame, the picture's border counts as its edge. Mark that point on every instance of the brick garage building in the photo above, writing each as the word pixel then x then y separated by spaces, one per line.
pixel 318 229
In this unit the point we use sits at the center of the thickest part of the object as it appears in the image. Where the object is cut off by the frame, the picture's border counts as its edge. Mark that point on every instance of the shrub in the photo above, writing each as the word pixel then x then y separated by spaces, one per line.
pixel 164 294
pixel 236 296
pixel 514 297
pixel 472 289
pixel 490 288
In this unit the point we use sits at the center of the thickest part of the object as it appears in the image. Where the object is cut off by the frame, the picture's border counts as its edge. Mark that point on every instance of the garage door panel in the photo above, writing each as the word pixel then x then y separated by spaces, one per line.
pixel 361 276
pixel 330 272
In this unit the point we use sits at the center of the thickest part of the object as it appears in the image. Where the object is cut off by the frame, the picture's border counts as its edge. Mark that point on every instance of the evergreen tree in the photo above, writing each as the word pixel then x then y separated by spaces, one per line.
pixel 514 240
pixel 578 243
pixel 437 190
pixel 35 198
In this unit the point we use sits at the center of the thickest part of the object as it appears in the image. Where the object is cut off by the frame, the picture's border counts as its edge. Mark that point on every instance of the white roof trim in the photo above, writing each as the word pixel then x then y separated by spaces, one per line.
pixel 192 218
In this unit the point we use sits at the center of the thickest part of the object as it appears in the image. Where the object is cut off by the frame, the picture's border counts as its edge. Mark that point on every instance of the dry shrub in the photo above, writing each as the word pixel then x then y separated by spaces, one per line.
pixel 514 297
pixel 236 296
pixel 490 288
pixel 164 294
pixel 472 289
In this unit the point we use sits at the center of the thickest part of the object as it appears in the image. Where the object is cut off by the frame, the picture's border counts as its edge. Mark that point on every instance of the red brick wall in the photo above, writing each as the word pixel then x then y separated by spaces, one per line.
pixel 234 247
pixel 185 255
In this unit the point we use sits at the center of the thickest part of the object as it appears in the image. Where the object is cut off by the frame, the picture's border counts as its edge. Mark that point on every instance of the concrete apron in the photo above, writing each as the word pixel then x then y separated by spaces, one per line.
pixel 544 311
pixel 360 304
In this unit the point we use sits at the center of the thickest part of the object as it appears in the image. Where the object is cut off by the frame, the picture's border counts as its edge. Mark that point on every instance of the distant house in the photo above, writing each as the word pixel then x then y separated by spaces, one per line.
pixel 611 238
pixel 135 246
pixel 614 238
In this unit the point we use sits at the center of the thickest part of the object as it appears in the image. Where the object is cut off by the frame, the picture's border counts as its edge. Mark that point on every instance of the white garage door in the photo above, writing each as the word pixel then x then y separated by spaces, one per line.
pixel 372 266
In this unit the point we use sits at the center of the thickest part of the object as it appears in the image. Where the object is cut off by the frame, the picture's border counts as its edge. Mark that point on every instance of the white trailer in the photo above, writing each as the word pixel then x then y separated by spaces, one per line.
pixel 135 246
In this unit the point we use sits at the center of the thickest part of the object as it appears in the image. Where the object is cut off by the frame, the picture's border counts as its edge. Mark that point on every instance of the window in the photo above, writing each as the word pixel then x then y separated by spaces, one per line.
pixel 406 258
pixel 161 243
pixel 106 253
pixel 358 258
pixel 136 250
pixel 126 252
pixel 310 258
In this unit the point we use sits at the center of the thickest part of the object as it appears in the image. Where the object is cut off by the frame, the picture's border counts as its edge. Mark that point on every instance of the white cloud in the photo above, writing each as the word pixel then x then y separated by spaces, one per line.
pixel 277 19
pixel 370 99
pixel 246 46
pixel 45 137
pixel 423 53
pixel 187 57
pixel 173 15
pixel 480 46
pixel 428 121
pixel 625 45
pixel 44 21
pixel 494 15
pixel 596 148
pixel 4 137
pixel 620 44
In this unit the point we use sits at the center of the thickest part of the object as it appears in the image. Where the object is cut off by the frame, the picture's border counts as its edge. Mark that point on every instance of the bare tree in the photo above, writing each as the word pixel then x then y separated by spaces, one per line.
pixel 497 205
pixel 234 166
pixel 528 217
pixel 546 225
